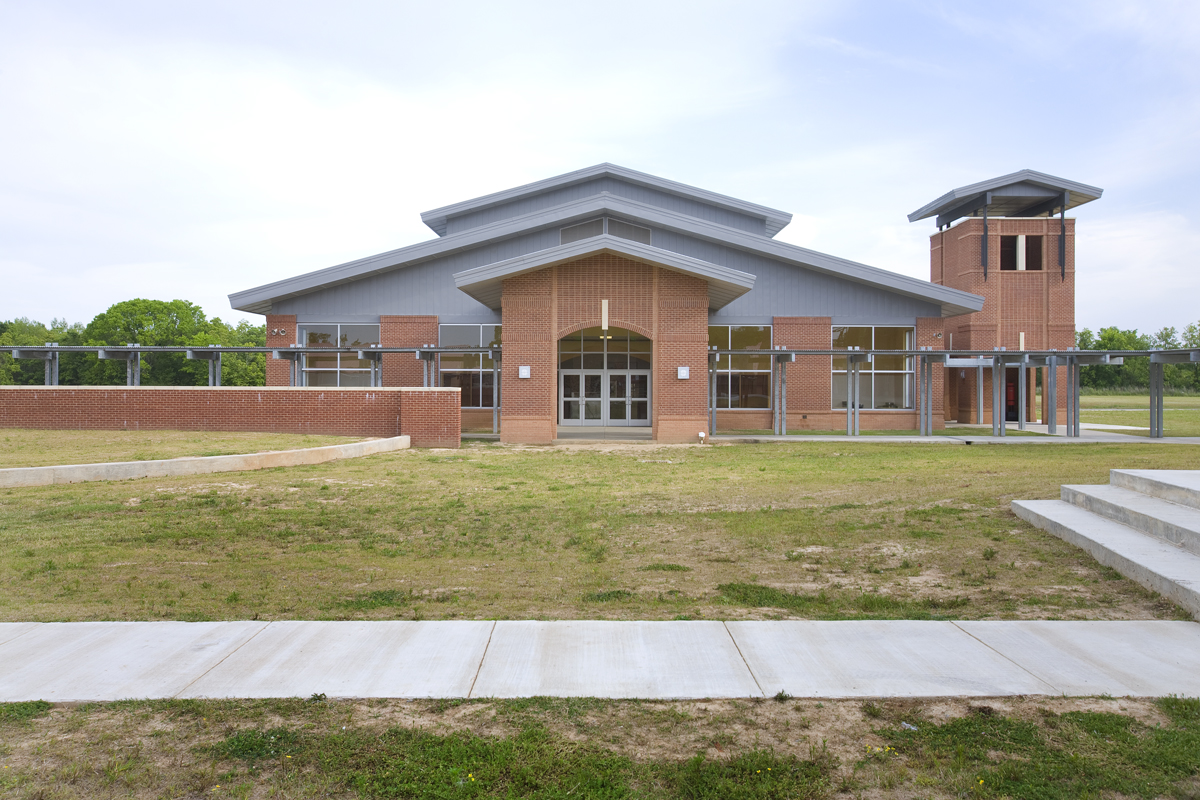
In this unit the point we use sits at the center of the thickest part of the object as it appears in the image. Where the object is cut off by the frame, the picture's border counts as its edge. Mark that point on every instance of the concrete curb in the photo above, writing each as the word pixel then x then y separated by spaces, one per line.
pixel 126 470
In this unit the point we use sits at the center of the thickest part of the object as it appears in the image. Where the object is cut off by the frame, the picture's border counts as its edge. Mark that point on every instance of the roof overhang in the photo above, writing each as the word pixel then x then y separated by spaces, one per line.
pixel 485 283
pixel 775 220
pixel 952 301
pixel 1022 194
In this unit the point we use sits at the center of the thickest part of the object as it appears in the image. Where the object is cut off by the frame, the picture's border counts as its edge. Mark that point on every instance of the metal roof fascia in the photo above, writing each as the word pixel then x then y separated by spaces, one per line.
pixel 258 300
pixel 1029 175
pixel 776 220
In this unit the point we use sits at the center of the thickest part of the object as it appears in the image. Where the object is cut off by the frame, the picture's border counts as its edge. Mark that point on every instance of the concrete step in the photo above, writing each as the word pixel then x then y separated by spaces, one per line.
pixel 1178 524
pixel 1180 486
pixel 1155 563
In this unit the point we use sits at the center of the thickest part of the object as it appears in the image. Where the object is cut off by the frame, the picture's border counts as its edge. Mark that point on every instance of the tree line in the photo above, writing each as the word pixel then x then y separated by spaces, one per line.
pixel 1135 372
pixel 150 323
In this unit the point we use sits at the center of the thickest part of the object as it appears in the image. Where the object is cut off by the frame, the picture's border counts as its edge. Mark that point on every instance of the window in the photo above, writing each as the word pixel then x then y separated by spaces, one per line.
pixel 1021 253
pixel 470 372
pixel 596 227
pixel 743 381
pixel 337 369
pixel 887 381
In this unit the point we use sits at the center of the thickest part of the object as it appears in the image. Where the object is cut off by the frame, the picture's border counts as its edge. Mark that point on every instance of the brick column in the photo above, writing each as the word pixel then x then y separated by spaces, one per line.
pixel 931 333
pixel 281 332
pixel 810 399
pixel 528 316
pixel 403 369
pixel 680 406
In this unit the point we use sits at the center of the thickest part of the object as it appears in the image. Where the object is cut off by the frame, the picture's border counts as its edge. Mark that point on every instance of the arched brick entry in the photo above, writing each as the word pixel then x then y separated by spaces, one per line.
pixel 539 307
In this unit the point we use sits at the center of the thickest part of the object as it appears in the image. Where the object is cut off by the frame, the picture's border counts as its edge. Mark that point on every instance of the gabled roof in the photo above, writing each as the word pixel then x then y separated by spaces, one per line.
pixel 1022 194
pixel 484 283
pixel 953 301
pixel 775 220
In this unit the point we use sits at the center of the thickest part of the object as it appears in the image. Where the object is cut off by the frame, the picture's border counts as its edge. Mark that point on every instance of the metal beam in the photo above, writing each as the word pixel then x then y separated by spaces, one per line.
pixel 1044 206
pixel 984 240
pixel 1051 390
pixel 1062 236
pixel 964 209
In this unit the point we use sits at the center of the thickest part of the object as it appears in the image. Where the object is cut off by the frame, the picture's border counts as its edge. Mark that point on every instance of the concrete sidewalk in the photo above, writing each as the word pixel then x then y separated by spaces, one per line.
pixel 98 661
pixel 1086 436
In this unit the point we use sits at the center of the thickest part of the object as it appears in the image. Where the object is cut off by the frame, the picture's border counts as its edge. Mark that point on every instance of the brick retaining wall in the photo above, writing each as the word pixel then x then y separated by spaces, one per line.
pixel 425 415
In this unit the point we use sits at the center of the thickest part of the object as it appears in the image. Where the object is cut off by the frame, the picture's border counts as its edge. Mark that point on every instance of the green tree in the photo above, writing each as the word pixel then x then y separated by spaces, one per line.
pixel 1135 372
pixel 150 323
pixel 248 369
pixel 23 332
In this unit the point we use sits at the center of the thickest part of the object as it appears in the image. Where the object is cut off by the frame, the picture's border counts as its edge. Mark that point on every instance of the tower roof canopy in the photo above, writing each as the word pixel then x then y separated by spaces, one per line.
pixel 1022 194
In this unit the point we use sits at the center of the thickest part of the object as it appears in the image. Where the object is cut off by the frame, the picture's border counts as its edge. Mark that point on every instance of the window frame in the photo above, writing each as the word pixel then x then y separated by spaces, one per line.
pixel 481 375
pixel 909 372
pixel 729 372
pixel 302 330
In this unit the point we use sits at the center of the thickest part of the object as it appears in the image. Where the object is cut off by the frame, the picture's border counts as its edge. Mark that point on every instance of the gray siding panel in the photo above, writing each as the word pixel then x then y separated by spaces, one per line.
pixel 684 205
pixel 783 290
pixel 614 186
pixel 425 288
pixel 779 290
pixel 525 205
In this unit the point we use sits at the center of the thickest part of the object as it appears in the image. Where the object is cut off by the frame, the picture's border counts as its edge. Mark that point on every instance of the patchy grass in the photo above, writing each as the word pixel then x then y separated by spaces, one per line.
pixel 585 747
pixel 1181 414
pixel 490 531
pixel 36 448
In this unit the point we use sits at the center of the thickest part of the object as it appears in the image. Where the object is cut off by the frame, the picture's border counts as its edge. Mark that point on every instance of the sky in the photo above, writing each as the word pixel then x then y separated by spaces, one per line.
pixel 194 149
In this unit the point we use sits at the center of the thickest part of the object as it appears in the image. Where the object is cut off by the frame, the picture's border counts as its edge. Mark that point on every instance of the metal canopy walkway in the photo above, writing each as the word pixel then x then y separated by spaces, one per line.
pixel 998 360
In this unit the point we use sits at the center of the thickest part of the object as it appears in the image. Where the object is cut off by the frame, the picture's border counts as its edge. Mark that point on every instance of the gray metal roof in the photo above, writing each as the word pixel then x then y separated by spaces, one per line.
pixel 1022 194
pixel 952 301
pixel 485 283
pixel 775 220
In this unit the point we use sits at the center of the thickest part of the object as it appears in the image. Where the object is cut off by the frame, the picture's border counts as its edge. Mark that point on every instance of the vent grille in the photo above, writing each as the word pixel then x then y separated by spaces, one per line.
pixel 584 230
pixel 624 230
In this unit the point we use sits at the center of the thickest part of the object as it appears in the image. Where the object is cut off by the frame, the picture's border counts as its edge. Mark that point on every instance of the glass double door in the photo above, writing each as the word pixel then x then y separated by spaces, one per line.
pixel 604 397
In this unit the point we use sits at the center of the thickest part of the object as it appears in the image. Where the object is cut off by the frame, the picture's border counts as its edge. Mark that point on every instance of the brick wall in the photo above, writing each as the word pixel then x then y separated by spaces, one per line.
pixel 344 412
pixel 429 416
pixel 281 332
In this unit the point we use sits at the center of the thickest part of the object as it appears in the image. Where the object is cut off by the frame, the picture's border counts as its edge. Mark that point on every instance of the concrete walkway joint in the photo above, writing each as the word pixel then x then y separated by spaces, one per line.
pixel 105 661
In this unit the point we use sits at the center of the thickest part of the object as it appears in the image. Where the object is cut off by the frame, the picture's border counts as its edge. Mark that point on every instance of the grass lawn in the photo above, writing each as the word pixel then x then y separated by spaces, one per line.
pixel 1181 415
pixel 550 748
pixel 35 448
pixel 600 531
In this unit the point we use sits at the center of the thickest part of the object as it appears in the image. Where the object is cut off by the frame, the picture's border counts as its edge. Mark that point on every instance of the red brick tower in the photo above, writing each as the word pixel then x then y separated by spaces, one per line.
pixel 999 239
